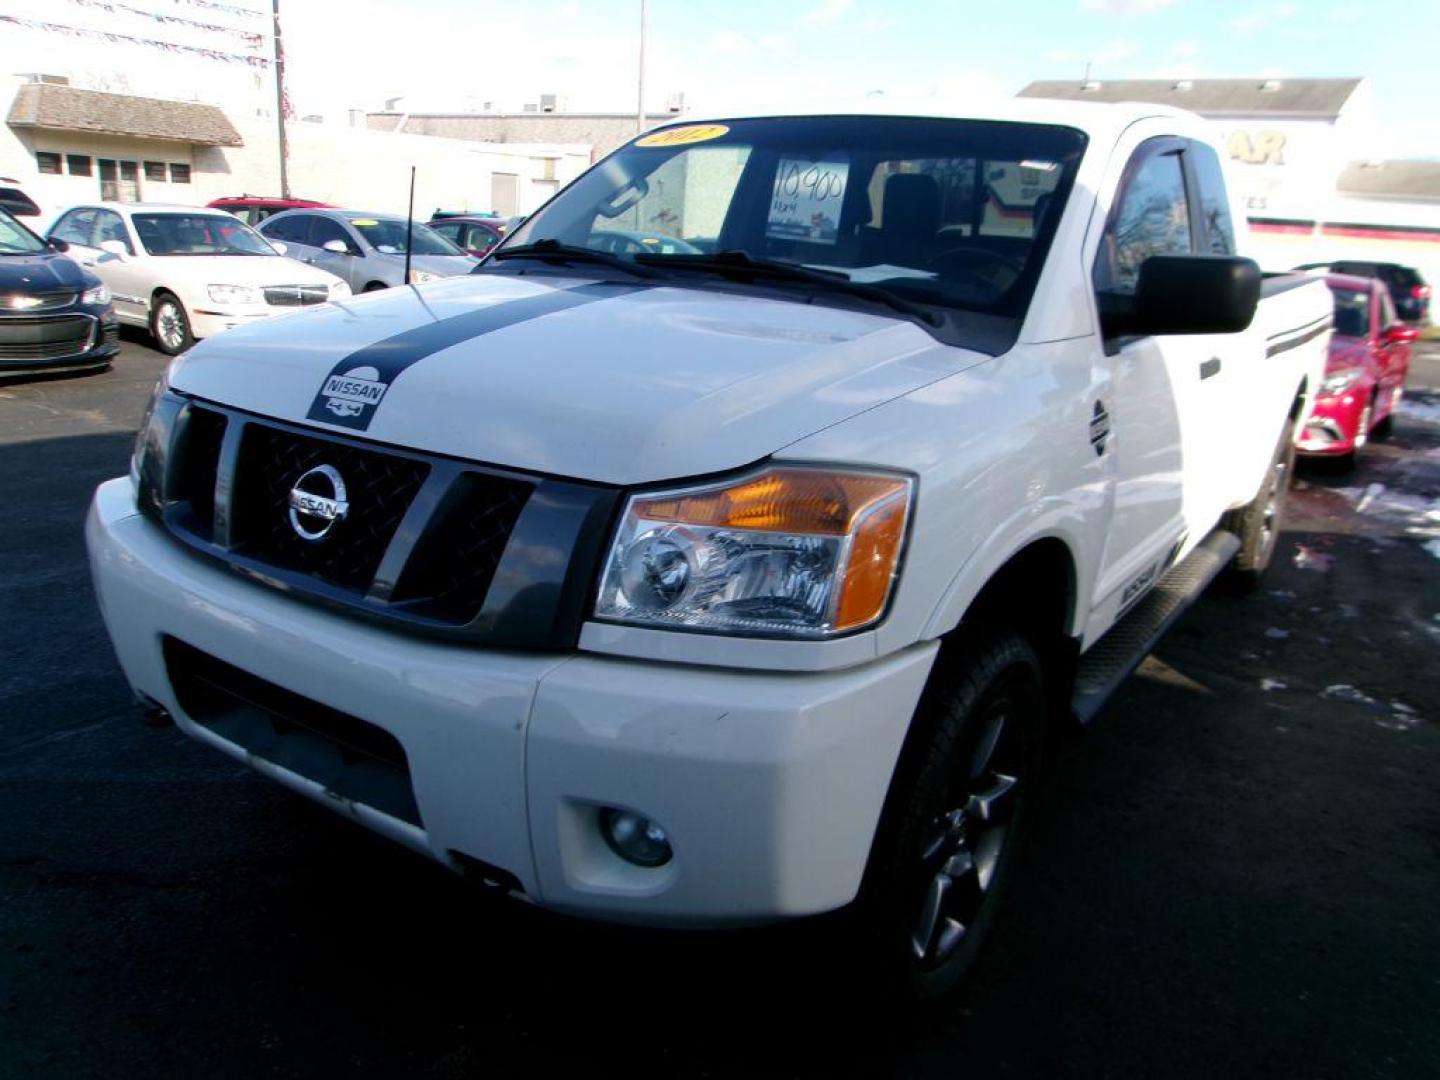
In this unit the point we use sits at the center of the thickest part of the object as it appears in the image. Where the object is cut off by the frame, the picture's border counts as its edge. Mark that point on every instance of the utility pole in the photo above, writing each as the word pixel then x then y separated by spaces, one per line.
pixel 280 103
pixel 640 102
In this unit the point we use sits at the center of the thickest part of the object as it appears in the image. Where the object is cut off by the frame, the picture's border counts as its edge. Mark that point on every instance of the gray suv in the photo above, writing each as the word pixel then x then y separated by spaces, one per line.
pixel 367 250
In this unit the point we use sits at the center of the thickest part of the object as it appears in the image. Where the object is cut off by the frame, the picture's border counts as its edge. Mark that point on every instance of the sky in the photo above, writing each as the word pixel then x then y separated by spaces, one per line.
pixel 460 54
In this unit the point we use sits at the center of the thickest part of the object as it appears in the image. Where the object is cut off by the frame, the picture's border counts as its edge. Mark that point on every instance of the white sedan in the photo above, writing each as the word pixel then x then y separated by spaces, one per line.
pixel 186 272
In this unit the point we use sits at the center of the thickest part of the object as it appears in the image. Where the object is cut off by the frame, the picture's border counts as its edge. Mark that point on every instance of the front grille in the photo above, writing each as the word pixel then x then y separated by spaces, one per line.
pixel 296 295
pixel 427 544
pixel 451 571
pixel 41 301
pixel 379 487
pixel 198 460
pixel 350 757
pixel 44 338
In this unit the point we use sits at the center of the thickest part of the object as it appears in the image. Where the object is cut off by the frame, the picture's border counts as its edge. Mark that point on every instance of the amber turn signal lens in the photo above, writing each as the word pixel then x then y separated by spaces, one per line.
pixel 869 509
pixel 806 501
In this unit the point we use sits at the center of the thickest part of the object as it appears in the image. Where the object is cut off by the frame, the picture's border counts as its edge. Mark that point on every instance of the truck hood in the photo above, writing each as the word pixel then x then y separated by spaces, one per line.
pixel 620 383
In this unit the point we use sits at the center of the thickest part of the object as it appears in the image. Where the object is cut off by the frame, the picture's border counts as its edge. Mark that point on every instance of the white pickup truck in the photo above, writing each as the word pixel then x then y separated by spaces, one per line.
pixel 721 549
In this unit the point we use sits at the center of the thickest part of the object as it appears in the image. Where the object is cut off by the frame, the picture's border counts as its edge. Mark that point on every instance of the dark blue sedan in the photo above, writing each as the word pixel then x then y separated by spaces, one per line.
pixel 54 316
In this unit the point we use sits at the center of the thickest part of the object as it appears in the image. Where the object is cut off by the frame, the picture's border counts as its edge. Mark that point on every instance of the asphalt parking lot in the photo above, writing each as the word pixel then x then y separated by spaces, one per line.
pixel 1237 871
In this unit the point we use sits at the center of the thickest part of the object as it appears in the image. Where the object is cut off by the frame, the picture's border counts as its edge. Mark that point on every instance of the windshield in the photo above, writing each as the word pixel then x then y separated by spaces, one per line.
pixel 1352 311
pixel 950 213
pixel 198 234
pixel 16 239
pixel 387 236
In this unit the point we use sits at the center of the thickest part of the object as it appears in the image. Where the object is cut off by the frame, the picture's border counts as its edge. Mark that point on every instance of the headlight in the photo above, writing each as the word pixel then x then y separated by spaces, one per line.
pixel 100 294
pixel 339 290
pixel 790 552
pixel 1340 381
pixel 142 435
pixel 234 294
pixel 420 277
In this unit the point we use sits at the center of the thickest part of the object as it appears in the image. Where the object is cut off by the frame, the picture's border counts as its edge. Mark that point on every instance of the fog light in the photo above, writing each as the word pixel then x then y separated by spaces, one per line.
pixel 634 838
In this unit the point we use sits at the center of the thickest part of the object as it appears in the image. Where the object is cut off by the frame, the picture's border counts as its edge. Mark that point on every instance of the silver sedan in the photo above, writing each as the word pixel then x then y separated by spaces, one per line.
pixel 366 250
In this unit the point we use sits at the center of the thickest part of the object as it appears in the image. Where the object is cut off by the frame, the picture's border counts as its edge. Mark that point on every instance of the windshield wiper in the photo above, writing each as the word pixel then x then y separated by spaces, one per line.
pixel 742 264
pixel 555 251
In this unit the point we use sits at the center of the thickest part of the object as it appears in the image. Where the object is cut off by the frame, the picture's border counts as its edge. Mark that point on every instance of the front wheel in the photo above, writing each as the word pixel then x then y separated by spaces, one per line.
pixel 169 325
pixel 1257 523
pixel 955 815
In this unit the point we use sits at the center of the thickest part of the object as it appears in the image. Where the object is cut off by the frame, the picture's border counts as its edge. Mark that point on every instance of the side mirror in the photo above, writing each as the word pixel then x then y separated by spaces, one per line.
pixel 1399 334
pixel 338 247
pixel 114 247
pixel 54 243
pixel 1186 294
pixel 280 247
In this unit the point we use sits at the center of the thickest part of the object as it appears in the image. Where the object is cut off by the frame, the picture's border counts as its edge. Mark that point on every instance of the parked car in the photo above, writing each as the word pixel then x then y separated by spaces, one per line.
pixel 253 209
pixel 367 250
pixel 1407 286
pixel 1365 371
pixel 475 235
pixel 54 316
pixel 732 587
pixel 186 272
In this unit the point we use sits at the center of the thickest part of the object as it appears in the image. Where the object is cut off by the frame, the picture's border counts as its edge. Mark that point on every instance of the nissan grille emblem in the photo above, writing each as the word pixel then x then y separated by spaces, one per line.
pixel 317 503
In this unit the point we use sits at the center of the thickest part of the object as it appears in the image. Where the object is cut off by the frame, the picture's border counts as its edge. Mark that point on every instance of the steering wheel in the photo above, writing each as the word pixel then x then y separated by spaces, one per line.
pixel 954 260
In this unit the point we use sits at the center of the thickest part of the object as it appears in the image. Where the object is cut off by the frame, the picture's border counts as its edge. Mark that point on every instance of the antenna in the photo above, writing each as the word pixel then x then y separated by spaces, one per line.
pixel 409 224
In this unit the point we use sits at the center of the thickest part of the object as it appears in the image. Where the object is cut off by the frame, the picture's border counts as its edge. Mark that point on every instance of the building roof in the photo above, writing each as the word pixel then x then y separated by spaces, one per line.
pixel 1391 179
pixel 1319 99
pixel 69 108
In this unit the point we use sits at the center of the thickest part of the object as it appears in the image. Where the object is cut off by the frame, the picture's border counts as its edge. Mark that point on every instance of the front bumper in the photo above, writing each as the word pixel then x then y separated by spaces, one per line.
pixel 1332 426
pixel 209 321
pixel 99 348
pixel 769 785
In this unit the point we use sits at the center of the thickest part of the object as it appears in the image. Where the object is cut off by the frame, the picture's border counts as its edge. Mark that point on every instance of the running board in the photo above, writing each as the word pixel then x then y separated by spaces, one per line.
pixel 1110 661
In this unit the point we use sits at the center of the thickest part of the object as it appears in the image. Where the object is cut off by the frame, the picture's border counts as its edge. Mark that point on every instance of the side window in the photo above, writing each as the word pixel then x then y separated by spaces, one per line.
pixel 448 229
pixel 1214 200
pixel 290 230
pixel 76 227
pixel 324 229
pixel 1152 218
pixel 108 226
pixel 481 238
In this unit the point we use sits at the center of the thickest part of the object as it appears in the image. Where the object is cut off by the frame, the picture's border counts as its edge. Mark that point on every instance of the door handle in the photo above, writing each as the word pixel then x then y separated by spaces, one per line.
pixel 1210 367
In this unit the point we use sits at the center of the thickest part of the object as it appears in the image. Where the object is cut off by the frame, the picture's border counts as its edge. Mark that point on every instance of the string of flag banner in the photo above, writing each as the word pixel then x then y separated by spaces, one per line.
pixel 229 9
pixel 128 39
pixel 250 37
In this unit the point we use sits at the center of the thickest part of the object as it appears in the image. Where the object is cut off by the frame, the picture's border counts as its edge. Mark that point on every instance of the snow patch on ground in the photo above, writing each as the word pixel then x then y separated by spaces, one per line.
pixel 1276 633
pixel 1308 558
pixel 1424 411
pixel 1272 684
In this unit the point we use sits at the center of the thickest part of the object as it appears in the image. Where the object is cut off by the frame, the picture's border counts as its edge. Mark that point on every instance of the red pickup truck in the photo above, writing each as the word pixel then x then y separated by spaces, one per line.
pixel 1364 373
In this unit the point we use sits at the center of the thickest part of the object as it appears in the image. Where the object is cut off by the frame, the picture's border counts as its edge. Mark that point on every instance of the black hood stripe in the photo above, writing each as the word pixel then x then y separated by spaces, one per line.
pixel 352 392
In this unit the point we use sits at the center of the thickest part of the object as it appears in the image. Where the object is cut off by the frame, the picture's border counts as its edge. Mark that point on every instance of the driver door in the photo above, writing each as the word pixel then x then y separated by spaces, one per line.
pixel 347 266
pixel 129 281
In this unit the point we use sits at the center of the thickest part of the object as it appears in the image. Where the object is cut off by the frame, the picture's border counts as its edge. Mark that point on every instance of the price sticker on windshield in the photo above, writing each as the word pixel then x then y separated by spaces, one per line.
pixel 683 136
pixel 805 204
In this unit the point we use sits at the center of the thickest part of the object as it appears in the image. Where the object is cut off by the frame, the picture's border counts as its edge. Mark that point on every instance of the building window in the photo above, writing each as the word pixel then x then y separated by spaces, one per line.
pixel 155 170
pixel 78 164
pixel 47 162
pixel 179 174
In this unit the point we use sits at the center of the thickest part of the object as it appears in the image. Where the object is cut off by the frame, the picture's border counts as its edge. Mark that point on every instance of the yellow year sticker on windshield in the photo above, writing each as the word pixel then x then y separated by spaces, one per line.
pixel 682 135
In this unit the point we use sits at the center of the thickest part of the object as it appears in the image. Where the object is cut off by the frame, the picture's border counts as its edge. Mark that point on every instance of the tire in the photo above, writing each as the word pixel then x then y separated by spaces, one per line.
pixel 169 325
pixel 1385 428
pixel 1258 523
pixel 374 286
pixel 954 819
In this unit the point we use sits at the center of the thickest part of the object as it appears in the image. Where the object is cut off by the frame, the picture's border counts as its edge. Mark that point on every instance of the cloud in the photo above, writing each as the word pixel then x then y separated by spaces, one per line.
pixel 1124 7
pixel 1261 19
pixel 1113 52
pixel 826 13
